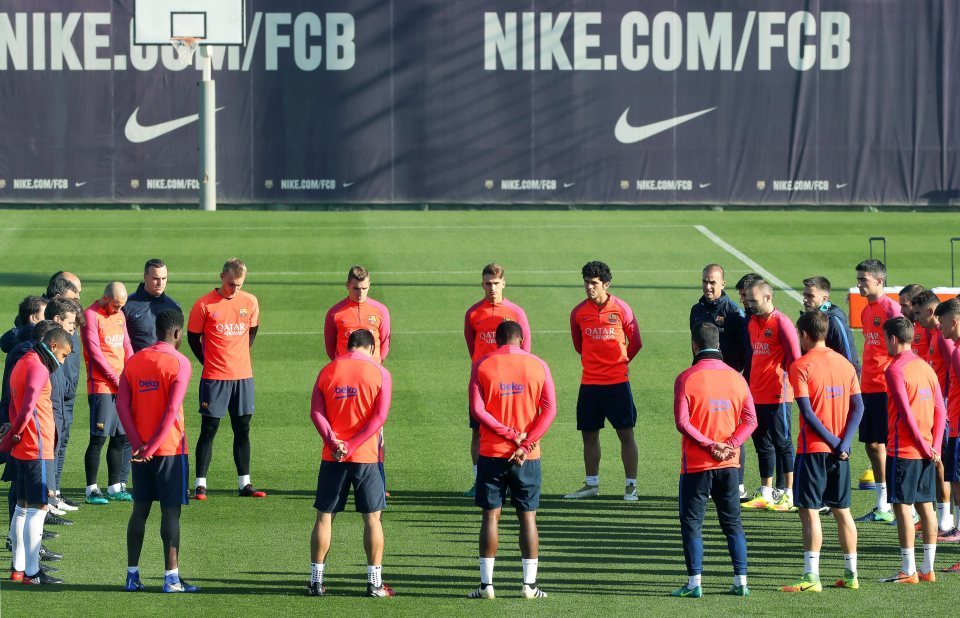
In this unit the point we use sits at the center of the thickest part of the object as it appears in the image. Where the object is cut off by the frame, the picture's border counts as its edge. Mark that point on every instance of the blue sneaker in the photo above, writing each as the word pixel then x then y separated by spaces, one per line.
pixel 120 496
pixel 175 584
pixel 133 582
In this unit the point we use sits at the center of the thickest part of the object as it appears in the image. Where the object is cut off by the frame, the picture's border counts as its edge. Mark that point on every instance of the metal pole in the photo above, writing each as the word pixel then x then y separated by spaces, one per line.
pixel 208 133
pixel 882 239
pixel 953 281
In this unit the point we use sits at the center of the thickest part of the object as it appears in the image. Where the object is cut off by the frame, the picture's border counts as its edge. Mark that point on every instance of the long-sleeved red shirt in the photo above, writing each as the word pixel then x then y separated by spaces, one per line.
pixel 348 316
pixel 915 410
pixel 875 358
pixel 480 326
pixel 106 346
pixel 775 348
pixel 31 409
pixel 606 337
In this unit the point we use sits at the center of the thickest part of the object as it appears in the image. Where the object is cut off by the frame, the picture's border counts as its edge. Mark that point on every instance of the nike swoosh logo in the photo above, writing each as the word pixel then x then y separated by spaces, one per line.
pixel 138 133
pixel 567 185
pixel 627 134
pixel 839 186
pixel 347 185
pixel 79 184
pixel 704 185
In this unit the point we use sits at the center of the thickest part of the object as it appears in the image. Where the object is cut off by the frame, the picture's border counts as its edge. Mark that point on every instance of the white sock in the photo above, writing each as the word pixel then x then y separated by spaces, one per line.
pixel 16 538
pixel 32 535
pixel 201 482
pixel 316 573
pixel 909 561
pixel 850 562
pixel 115 488
pixel 486 570
pixel 632 482
pixel 133 569
pixel 172 574
pixel 882 505
pixel 374 575
pixel 474 474
pixel 592 480
pixel 243 480
pixel 811 562
pixel 766 493
pixel 945 516
pixel 693 581
pixel 740 580
pixel 530 571
pixel 91 489
pixel 929 553
pixel 742 489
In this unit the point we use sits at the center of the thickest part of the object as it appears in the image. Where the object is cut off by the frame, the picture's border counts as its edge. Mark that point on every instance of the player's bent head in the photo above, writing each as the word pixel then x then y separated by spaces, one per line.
pixel 361 339
pixel 761 288
pixel 948 308
pixel 705 335
pixel 910 291
pixel 41 328
pixel 31 307
pixel 509 333
pixel 168 322
pixel 925 299
pixel 115 290
pixel 817 283
pixel 747 280
pixel 814 324
pixel 60 286
pixel 58 339
pixel 234 266
pixel 597 270
pixel 59 308
pixel 492 270
pixel 357 273
pixel 899 328
pixel 874 268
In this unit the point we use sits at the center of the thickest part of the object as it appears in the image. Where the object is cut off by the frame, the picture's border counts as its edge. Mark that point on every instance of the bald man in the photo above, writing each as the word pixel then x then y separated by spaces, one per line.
pixel 106 348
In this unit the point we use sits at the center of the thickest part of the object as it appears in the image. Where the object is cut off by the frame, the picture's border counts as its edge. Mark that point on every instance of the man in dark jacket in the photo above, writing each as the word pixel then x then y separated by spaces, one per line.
pixel 146 303
pixel 816 296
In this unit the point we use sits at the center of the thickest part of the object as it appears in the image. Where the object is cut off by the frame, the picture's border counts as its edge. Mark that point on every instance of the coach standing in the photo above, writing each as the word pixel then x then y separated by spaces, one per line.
pixel 146 303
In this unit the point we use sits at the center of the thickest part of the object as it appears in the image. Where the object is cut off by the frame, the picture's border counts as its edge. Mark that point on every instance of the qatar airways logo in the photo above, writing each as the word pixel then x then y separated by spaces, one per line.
pixel 489 337
pixel 149 385
pixel 872 339
pixel 232 330
pixel 602 333
pixel 114 341
pixel 761 348
pixel 344 392
pixel 511 388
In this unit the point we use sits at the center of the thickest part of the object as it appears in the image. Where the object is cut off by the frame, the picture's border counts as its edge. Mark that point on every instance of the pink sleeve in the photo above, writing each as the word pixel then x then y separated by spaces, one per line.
pixel 469 332
pixel 939 418
pixel 330 333
pixel 174 402
pixel 789 342
pixel 479 412
pixel 681 413
pixel 127 346
pixel 125 412
pixel 37 378
pixel 945 347
pixel 90 334
pixel 898 393
pixel 384 331
pixel 748 422
pixel 318 414
pixel 631 329
pixel 575 333
pixel 527 344
pixel 379 415
pixel 548 410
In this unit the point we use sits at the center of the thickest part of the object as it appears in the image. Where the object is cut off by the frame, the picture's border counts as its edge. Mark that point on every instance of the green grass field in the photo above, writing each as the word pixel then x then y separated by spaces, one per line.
pixel 602 557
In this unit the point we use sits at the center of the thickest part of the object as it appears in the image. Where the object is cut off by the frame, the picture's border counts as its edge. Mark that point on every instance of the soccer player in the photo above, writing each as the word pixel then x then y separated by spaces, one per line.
pixel 906 296
pixel 745 282
pixel 512 398
pixel 718 309
pixel 222 327
pixel 32 436
pixel 828 395
pixel 355 311
pixel 916 420
pixel 479 331
pixel 775 348
pixel 150 404
pixel 65 313
pixel 106 348
pixel 606 336
pixel 146 303
pixel 816 297
pixel 349 406
pixel 948 314
pixel 871 276
pixel 714 413
pixel 29 313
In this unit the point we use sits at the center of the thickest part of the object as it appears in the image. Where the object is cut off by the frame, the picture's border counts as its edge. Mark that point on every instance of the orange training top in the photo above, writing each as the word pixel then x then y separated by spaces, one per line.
pixel 480 326
pixel 828 380
pixel 30 402
pixel 875 358
pixel 915 412
pixel 775 348
pixel 224 326
pixel 348 316
pixel 607 338
pixel 105 348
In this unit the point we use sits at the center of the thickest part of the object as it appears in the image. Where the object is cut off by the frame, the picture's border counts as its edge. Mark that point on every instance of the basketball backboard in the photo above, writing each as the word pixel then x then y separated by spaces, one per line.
pixel 215 22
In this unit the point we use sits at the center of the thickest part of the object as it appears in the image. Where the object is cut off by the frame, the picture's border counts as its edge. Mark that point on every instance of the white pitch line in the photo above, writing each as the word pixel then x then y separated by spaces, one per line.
pixel 425 228
pixel 296 333
pixel 760 270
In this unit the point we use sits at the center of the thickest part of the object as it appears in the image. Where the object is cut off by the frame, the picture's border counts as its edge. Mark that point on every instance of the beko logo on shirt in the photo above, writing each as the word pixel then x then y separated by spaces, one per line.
pixel 148 385
pixel 510 388
pixel 834 391
pixel 343 392
pixel 114 341
pixel 232 330
pixel 720 405
pixel 601 333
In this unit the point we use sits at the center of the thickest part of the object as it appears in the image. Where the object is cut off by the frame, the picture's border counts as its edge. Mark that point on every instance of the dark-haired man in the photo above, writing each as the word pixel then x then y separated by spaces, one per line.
pixel 948 315
pixel 816 297
pixel 29 313
pixel 144 305
pixel 357 311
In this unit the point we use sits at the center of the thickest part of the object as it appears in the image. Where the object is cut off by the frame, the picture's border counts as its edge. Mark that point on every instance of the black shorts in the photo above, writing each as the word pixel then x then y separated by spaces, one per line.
pixel 218 397
pixel 495 475
pixel 821 479
pixel 873 426
pixel 613 402
pixel 911 481
pixel 33 484
pixel 951 461
pixel 162 479
pixel 10 470
pixel 103 415
pixel 334 481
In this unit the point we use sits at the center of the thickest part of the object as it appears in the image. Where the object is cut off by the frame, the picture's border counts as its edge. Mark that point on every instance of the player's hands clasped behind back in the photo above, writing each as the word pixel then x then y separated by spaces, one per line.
pixel 721 451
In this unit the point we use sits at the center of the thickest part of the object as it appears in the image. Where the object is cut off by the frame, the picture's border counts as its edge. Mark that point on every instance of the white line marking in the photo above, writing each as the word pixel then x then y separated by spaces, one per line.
pixel 760 270
pixel 425 228
pixel 312 333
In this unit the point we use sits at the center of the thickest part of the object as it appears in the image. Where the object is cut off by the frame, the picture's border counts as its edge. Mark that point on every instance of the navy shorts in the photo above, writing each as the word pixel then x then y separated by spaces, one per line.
pixel 217 397
pixel 334 481
pixel 821 479
pixel 32 481
pixel 163 479
pixel 873 426
pixel 103 415
pixel 911 481
pixel 10 470
pixel 951 461
pixel 495 475
pixel 613 402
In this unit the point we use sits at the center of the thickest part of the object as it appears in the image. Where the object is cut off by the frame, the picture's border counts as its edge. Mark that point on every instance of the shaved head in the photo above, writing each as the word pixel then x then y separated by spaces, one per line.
pixel 115 291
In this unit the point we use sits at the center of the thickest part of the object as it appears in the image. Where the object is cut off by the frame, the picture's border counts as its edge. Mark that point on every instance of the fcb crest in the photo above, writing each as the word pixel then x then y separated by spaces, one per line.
pixel 876 321
pixel 613 318
pixel 243 313
pixel 372 319
pixel 768 332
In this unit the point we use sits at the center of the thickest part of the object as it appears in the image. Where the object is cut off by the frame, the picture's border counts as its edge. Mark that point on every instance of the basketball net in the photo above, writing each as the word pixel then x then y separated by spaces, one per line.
pixel 185 46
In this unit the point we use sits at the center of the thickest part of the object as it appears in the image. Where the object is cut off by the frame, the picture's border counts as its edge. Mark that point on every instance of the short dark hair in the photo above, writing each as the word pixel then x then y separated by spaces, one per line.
pixel 747 281
pixel 58 336
pixel 819 282
pixel 492 270
pixel 706 335
pixel 912 289
pixel 60 307
pixel 78 308
pixel 925 299
pixel 29 306
pixel 597 270
pixel 815 324
pixel 358 273
pixel 153 263
pixel 508 331
pixel 900 328
pixel 873 267
pixel 168 321
pixel 361 338
pixel 41 328
pixel 948 307
pixel 59 286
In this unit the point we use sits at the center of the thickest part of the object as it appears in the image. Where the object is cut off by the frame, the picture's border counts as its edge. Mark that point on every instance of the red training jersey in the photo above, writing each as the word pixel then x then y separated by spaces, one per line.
pixel 150 400
pixel 106 346
pixel 511 392
pixel 915 412
pixel 775 348
pixel 828 380
pixel 711 404
pixel 350 403
pixel 348 316
pixel 31 409
pixel 607 338
pixel 480 326
pixel 224 327
pixel 875 357
pixel 937 352
pixel 953 397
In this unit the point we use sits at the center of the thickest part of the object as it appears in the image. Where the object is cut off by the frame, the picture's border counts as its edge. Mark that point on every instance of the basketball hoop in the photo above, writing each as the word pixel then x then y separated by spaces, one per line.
pixel 186 46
